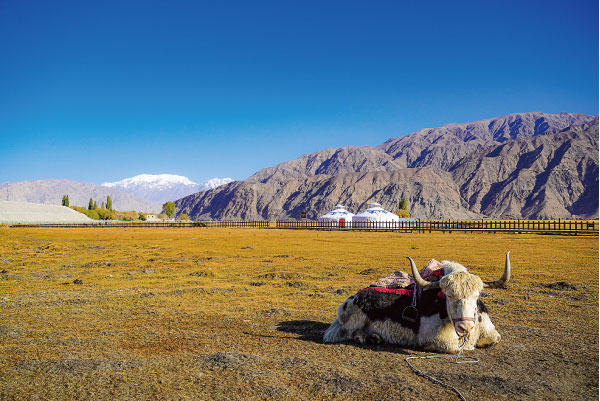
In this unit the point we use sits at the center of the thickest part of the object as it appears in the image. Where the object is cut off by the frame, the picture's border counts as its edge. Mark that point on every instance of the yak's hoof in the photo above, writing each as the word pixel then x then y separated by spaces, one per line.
pixel 485 342
pixel 374 338
pixel 359 336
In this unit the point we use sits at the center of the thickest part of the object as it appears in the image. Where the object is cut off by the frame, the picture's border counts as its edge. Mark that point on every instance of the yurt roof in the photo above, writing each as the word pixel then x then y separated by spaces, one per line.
pixel 338 213
pixel 376 212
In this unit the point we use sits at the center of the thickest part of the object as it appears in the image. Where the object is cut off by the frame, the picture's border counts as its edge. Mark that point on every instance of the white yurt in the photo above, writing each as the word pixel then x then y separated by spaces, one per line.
pixel 375 216
pixel 338 217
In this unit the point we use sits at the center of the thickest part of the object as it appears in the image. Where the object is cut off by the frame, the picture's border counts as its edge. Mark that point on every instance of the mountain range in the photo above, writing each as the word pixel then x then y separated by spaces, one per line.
pixel 146 192
pixel 523 165
pixel 50 192
pixel 160 188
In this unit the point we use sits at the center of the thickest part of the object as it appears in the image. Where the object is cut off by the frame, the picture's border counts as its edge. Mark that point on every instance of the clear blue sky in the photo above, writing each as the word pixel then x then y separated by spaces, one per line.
pixel 99 91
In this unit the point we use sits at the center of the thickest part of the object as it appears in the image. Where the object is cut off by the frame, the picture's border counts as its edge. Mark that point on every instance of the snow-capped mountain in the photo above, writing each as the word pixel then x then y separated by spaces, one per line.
pixel 164 187
pixel 215 182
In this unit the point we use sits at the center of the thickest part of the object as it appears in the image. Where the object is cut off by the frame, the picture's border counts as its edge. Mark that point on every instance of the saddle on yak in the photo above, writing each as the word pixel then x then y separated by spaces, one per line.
pixel 401 280
pixel 401 283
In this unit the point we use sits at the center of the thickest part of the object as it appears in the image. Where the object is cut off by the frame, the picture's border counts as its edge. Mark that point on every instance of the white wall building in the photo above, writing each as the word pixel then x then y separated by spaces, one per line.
pixel 152 218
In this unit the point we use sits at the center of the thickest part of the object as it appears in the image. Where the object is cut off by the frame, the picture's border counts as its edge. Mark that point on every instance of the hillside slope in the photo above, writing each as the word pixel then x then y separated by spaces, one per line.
pixel 431 193
pixel 440 147
pixel 349 159
pixel 527 165
pixel 50 192
pixel 444 146
pixel 546 176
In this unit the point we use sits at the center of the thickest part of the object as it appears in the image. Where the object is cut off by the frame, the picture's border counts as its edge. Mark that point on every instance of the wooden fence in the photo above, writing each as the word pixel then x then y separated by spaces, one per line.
pixel 237 224
pixel 513 226
pixel 354 225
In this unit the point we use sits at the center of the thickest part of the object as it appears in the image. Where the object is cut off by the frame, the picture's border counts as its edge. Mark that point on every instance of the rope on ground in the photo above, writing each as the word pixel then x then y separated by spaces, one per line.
pixel 457 359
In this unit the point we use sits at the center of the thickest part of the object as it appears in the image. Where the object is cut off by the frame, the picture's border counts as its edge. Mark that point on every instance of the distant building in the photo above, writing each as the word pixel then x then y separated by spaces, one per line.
pixel 339 217
pixel 153 217
pixel 374 216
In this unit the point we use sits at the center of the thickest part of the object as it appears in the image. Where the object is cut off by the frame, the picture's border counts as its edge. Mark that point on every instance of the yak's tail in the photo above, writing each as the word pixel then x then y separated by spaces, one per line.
pixel 334 333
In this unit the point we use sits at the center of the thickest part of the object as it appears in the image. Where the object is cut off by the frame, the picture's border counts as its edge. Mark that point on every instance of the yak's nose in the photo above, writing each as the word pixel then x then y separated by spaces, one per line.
pixel 464 327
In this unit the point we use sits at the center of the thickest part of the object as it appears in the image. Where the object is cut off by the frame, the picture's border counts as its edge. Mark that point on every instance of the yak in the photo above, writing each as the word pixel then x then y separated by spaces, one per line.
pixel 446 316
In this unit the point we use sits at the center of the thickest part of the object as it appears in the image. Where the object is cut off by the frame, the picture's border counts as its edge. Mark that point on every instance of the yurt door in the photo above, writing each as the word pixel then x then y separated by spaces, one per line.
pixel 342 223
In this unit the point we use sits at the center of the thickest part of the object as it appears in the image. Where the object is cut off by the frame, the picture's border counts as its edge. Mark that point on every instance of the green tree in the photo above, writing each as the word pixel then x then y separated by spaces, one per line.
pixel 403 214
pixel 95 205
pixel 169 208
pixel 129 216
pixel 184 217
pixel 105 214
pixel 65 200
pixel 403 204
pixel 89 213
pixel 91 204
pixel 403 209
pixel 108 203
pixel 102 207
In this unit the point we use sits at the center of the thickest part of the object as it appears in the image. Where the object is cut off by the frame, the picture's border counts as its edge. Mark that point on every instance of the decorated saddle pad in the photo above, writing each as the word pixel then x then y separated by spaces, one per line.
pixel 399 279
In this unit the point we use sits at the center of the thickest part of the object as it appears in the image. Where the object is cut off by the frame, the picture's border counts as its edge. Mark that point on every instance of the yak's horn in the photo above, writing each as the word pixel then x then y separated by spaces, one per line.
pixel 505 277
pixel 421 282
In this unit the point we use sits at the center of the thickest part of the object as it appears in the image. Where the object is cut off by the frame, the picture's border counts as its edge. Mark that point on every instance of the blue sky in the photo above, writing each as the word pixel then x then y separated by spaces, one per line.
pixel 101 91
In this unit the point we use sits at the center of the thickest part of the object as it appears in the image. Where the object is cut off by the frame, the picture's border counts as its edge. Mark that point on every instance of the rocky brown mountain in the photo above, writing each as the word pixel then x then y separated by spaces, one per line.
pixel 349 159
pixel 546 176
pixel 444 146
pixel 526 165
pixel 50 192
pixel 430 191
pixel 438 147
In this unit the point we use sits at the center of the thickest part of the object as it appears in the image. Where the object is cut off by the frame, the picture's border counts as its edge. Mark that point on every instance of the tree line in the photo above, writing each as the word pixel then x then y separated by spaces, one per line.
pixel 106 211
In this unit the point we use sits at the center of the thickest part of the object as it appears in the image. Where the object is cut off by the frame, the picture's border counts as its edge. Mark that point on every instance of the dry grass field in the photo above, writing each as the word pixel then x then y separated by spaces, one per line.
pixel 222 314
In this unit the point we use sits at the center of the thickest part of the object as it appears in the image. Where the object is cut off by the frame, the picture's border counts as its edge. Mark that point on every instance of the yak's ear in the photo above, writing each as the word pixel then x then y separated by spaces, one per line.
pixel 505 277
pixel 421 282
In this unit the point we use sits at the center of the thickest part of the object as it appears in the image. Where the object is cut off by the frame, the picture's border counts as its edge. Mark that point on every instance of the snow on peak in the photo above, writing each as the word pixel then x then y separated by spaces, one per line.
pixel 215 182
pixel 164 187
pixel 152 181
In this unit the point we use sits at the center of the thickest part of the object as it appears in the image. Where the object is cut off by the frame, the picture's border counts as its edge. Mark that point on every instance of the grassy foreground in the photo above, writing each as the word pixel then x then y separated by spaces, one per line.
pixel 203 314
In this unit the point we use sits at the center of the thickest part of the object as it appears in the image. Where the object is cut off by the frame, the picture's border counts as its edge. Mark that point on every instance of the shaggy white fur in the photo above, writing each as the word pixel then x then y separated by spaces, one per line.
pixel 333 334
pixel 462 290
pixel 488 335
pixel 452 267
pixel 438 335
pixel 393 333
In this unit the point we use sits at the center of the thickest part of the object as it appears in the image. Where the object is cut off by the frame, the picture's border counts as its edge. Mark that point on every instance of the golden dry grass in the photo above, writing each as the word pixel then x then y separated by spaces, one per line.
pixel 238 314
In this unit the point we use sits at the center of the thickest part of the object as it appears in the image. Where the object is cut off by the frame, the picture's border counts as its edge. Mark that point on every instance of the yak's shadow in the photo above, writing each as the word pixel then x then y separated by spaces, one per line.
pixel 308 330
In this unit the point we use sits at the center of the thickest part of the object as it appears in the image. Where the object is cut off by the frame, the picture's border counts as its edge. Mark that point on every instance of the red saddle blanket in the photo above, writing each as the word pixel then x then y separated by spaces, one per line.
pixel 401 283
